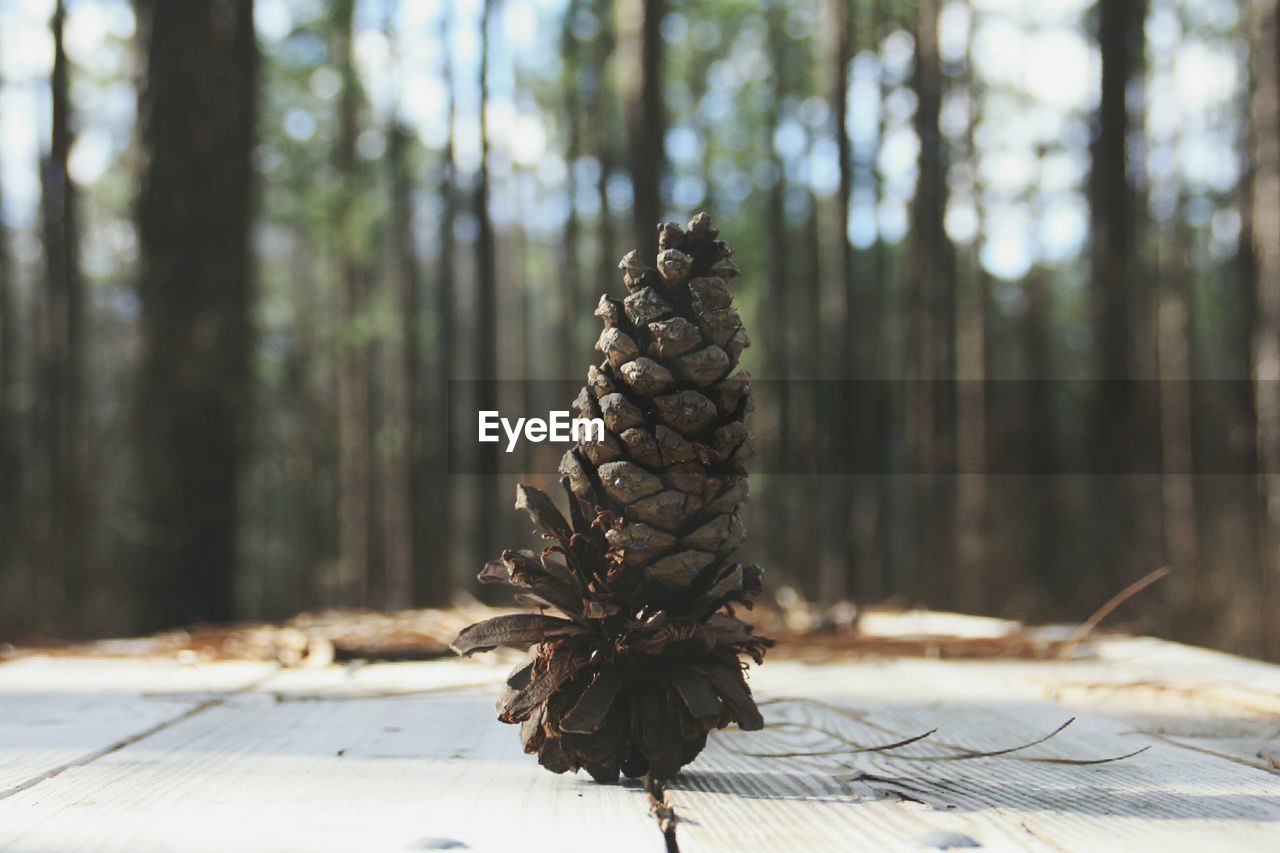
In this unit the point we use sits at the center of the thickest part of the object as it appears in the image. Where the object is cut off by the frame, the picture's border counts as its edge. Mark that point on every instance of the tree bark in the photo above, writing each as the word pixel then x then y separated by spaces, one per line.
pixel 197 113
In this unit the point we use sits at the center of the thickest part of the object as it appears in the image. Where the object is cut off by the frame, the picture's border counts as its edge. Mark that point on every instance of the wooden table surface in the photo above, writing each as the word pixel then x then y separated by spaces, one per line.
pixel 129 754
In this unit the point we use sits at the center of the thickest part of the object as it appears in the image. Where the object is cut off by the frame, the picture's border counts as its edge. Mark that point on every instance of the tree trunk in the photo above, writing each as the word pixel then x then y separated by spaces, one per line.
pixel 1181 543
pixel 885 346
pixel 11 467
pixel 930 310
pixel 1237 525
pixel 309 380
pixel 197 113
pixel 485 341
pixel 781 548
pixel 850 504
pixel 1264 116
pixel 355 480
pixel 603 49
pixel 1112 293
pixel 402 474
pixel 971 402
pixel 62 550
pixel 569 353
pixel 646 119
pixel 434 570
pixel 1043 519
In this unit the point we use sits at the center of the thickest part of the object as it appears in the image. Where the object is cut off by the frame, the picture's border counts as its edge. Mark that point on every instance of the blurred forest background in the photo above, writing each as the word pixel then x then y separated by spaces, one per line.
pixel 247 243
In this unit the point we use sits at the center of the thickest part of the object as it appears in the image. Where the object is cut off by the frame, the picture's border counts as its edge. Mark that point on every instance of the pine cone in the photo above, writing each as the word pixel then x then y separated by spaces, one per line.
pixel 646 661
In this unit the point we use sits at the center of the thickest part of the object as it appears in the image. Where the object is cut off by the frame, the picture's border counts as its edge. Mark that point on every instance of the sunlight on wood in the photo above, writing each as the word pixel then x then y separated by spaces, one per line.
pixel 396 756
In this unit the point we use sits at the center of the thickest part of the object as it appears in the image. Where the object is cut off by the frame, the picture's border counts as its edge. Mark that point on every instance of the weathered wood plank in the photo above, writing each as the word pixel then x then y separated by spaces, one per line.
pixel 56 712
pixel 1166 797
pixel 138 755
pixel 1143 670
pixel 258 773
pixel 734 802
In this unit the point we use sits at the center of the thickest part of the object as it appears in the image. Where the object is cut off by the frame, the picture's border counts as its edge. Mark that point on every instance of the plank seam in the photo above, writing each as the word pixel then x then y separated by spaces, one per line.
pixel 84 760
pixel 1235 759
pixel 1031 829
pixel 663 811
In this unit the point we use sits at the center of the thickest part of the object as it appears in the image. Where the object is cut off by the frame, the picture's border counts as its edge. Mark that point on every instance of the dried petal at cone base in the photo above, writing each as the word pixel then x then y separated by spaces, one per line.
pixel 647 657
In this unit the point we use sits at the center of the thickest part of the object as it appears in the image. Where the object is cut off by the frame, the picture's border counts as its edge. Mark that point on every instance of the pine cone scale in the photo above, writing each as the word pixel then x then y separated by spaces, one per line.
pixel 591 710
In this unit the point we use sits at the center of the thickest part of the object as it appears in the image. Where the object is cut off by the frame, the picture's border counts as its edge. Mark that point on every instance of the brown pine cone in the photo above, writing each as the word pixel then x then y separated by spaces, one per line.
pixel 646 661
